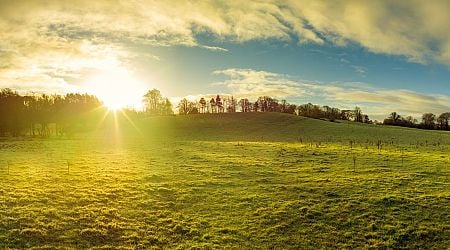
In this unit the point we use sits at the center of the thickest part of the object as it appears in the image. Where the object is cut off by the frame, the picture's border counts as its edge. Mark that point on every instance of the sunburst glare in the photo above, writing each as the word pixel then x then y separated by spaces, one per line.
pixel 117 88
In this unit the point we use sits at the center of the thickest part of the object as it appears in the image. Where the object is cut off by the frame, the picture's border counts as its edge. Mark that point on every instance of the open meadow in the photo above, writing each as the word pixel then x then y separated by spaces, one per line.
pixel 257 180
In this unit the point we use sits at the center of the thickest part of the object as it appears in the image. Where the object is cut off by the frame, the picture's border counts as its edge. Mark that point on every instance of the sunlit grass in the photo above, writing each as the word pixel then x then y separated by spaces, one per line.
pixel 178 184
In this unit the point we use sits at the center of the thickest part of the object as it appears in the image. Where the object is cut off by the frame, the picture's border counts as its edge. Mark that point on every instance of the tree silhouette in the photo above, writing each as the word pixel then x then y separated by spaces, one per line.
pixel 357 115
pixel 219 104
pixel 183 107
pixel 212 103
pixel 394 117
pixel 202 105
pixel 245 105
pixel 410 121
pixel 193 108
pixel 35 113
pixel 443 120
pixel 156 104
pixel 231 105
pixel 428 120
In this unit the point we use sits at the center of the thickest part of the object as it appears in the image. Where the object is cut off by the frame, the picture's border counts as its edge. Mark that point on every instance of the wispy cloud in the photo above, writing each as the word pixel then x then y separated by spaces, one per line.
pixel 360 70
pixel 377 102
pixel 252 84
pixel 214 48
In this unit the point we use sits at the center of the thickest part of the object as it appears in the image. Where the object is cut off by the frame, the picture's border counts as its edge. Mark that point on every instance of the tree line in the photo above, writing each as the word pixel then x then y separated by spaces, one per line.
pixel 43 115
pixel 429 121
pixel 34 113
pixel 229 104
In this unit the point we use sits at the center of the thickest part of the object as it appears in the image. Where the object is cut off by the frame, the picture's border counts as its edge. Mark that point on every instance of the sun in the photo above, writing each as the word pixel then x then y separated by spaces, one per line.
pixel 117 89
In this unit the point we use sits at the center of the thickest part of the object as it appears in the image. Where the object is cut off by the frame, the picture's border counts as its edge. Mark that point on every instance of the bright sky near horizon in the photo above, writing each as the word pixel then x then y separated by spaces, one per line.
pixel 383 56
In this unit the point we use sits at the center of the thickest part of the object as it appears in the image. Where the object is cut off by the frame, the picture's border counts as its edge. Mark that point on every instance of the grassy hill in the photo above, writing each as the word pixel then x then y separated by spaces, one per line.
pixel 240 181
pixel 282 127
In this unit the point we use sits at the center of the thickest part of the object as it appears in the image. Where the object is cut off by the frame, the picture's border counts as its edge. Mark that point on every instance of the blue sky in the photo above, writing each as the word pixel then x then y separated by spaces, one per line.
pixel 383 56
pixel 312 62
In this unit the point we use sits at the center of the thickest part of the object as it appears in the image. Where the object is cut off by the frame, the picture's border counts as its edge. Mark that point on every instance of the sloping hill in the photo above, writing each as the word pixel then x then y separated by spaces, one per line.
pixel 281 127
pixel 205 183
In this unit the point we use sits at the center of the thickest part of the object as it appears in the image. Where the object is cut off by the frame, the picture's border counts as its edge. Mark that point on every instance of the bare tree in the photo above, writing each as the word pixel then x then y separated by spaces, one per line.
pixel 394 117
pixel 232 103
pixel 219 104
pixel 193 108
pixel 202 105
pixel 428 120
pixel 151 100
pixel 156 104
pixel 183 107
pixel 443 120
pixel 358 115
pixel 245 105
pixel 283 106
pixel 410 121
pixel 213 105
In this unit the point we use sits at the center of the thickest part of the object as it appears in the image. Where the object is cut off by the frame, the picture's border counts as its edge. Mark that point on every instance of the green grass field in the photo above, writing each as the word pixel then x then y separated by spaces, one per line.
pixel 228 181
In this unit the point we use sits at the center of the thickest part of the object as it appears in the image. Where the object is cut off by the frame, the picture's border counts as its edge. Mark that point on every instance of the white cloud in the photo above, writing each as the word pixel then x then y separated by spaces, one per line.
pixel 415 29
pixel 214 48
pixel 252 84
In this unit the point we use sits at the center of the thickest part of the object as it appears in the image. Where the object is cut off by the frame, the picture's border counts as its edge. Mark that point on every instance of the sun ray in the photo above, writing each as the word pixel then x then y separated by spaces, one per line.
pixel 102 120
pixel 131 122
